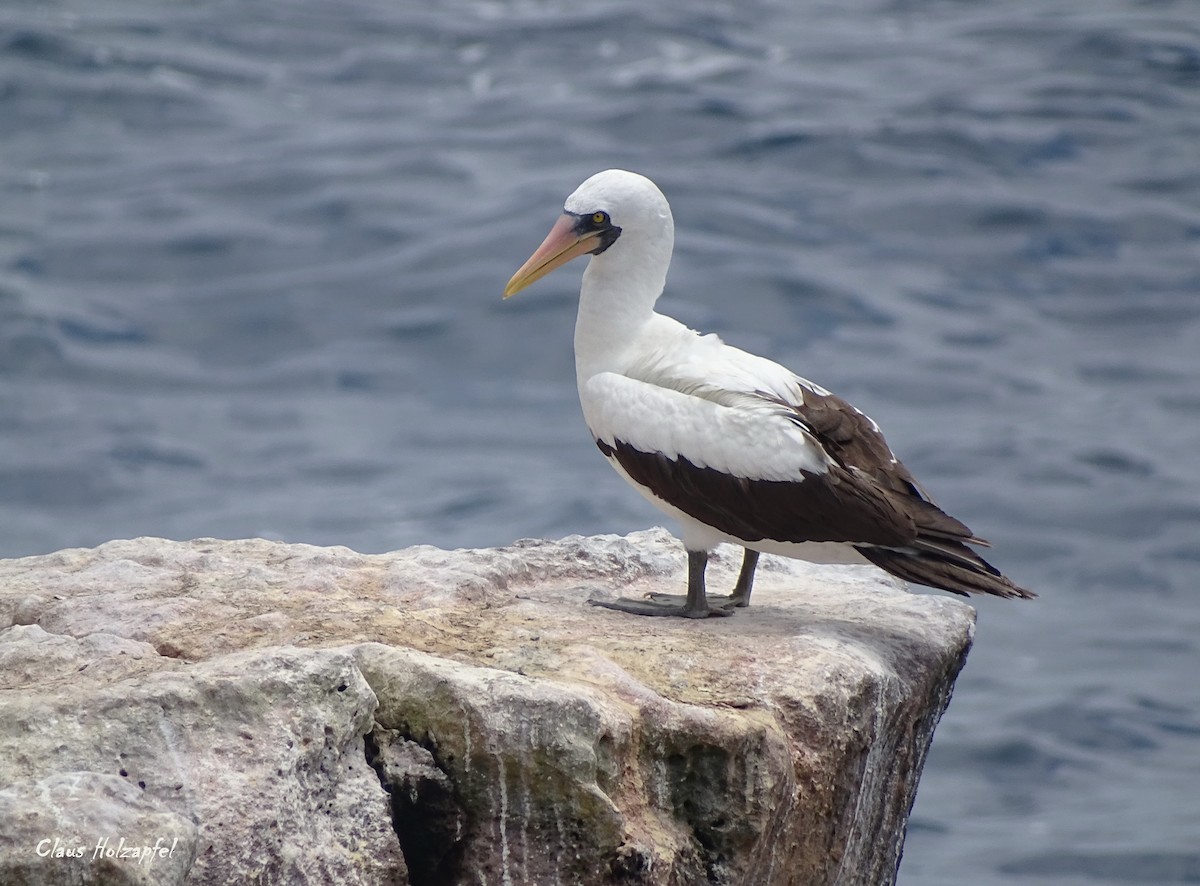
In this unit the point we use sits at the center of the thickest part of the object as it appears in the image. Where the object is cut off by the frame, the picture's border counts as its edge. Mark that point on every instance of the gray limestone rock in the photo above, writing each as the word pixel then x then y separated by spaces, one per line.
pixel 430 716
pixel 261 753
pixel 84 827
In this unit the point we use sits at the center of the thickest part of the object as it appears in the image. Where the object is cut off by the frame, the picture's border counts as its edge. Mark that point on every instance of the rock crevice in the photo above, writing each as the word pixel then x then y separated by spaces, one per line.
pixel 429 822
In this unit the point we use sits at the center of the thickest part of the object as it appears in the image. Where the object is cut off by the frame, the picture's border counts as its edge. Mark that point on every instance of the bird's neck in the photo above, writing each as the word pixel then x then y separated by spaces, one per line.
pixel 616 301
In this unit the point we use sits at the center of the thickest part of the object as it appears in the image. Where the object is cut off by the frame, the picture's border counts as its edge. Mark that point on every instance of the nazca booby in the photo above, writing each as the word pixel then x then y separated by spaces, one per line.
pixel 733 446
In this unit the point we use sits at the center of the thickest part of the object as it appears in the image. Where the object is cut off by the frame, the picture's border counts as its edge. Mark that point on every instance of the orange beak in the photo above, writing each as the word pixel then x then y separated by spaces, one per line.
pixel 560 246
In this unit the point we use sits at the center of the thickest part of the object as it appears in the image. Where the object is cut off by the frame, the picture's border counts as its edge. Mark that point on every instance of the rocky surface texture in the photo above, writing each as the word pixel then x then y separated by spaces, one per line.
pixel 251 711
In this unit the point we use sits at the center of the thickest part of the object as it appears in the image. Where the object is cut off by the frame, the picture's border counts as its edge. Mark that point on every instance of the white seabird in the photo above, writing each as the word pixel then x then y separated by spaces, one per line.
pixel 733 446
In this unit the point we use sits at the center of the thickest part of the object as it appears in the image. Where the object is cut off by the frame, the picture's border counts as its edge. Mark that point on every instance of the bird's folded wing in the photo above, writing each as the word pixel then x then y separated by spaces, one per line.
pixel 739 462
pixel 730 431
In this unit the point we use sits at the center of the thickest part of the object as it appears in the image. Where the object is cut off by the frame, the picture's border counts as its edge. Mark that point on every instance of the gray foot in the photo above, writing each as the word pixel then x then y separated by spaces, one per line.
pixel 726 603
pixel 663 604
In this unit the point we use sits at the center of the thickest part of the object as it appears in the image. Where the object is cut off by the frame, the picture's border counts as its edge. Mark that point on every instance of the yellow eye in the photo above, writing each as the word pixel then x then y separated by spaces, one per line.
pixel 599 218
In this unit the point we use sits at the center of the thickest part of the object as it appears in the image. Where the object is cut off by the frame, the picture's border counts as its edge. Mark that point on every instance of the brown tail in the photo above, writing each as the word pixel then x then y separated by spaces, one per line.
pixel 945 564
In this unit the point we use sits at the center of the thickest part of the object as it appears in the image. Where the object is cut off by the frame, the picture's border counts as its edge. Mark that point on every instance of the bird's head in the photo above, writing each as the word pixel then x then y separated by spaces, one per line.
pixel 612 212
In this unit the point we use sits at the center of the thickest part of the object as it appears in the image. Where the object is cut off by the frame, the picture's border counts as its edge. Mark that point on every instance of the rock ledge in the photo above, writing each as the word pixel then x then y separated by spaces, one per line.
pixel 290 714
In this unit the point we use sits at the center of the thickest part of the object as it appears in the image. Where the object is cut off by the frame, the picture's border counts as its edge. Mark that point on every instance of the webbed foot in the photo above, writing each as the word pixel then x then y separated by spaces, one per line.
pixel 696 604
pixel 664 605
pixel 725 602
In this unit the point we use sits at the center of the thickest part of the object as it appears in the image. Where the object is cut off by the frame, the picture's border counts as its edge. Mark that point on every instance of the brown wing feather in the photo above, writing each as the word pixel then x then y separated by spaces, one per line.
pixel 951 571
pixel 820 507
pixel 855 442
pixel 938 556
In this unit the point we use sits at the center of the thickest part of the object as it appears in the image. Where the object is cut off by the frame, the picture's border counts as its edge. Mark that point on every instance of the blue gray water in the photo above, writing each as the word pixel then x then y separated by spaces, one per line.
pixel 250 268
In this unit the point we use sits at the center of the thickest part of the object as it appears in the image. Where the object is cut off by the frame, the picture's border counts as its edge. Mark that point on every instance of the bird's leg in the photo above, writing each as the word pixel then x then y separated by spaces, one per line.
pixel 740 597
pixel 695 605
pixel 697 599
pixel 745 580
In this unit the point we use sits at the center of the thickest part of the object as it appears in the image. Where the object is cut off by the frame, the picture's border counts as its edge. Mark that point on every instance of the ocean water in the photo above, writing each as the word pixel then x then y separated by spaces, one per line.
pixel 251 258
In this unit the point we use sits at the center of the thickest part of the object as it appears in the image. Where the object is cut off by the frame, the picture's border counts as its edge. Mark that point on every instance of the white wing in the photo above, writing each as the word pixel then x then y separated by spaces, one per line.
pixel 714 405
